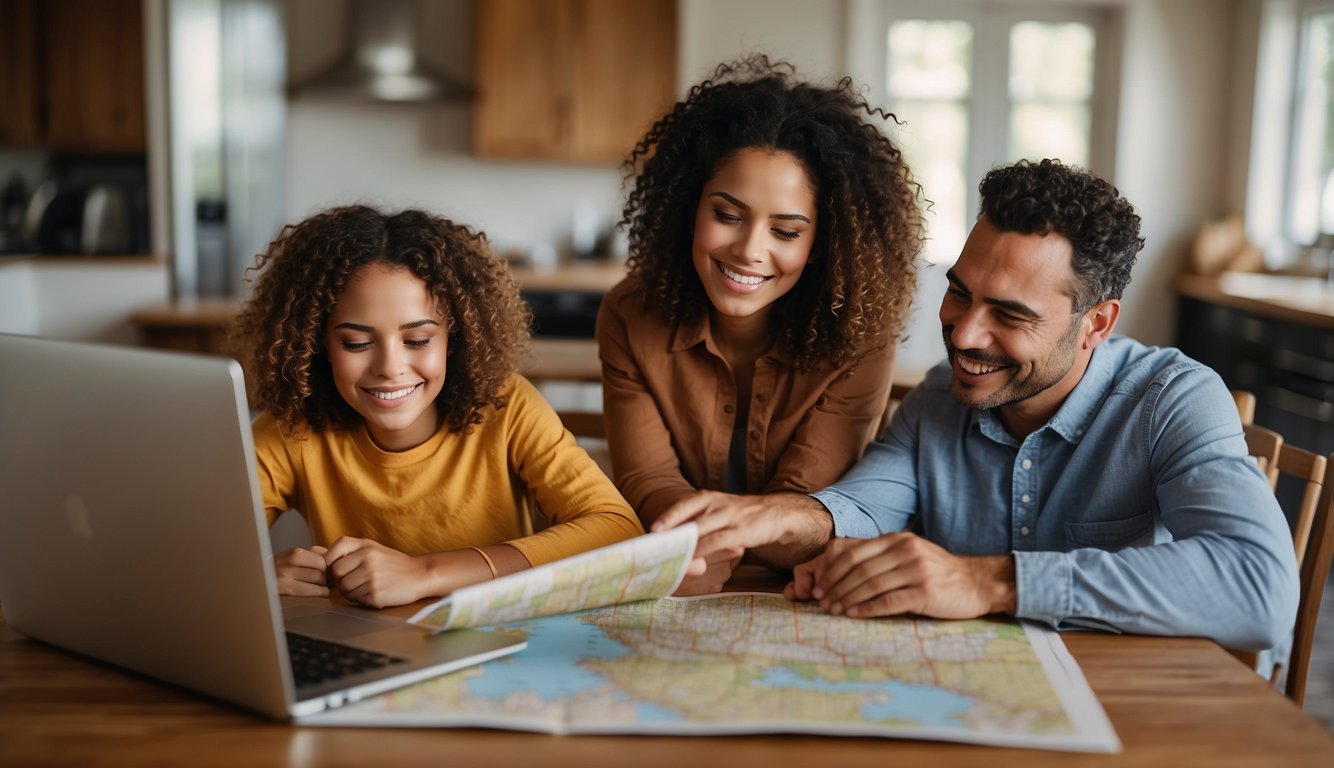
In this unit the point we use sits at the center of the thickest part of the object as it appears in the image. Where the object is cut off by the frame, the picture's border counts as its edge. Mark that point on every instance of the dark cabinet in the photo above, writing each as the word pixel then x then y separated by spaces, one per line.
pixel 1289 366
pixel 73 78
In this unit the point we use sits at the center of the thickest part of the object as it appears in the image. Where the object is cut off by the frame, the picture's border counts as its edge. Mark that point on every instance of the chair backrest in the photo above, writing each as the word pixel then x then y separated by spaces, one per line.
pixel 584 424
pixel 1264 445
pixel 1319 551
pixel 1245 405
pixel 1309 468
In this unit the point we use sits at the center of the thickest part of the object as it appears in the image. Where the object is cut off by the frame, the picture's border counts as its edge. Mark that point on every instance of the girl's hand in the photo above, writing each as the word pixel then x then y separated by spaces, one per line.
pixel 371 574
pixel 301 572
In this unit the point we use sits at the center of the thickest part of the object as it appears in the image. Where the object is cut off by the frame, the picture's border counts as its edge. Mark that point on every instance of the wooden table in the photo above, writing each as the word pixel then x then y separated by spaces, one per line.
pixel 1173 701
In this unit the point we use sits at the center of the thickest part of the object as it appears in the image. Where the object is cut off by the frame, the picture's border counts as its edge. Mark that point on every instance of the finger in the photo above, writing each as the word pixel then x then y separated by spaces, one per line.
pixel 299 588
pixel 305 574
pixel 317 549
pixel 868 582
pixel 683 511
pixel 346 545
pixel 803 581
pixel 722 555
pixel 895 603
pixel 841 556
pixel 697 567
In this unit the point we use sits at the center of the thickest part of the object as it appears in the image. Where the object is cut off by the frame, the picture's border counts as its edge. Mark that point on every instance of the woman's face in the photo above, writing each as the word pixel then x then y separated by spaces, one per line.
pixel 753 231
pixel 387 346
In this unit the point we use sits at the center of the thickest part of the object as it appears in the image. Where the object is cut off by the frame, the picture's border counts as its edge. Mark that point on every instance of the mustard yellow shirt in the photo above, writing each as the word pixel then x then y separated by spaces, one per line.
pixel 454 490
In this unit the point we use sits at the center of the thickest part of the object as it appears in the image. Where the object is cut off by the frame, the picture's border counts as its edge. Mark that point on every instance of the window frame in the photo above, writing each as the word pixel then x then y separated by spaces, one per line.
pixel 988 101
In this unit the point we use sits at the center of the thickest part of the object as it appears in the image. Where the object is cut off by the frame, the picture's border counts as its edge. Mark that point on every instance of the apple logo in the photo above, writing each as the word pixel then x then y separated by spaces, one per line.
pixel 76 516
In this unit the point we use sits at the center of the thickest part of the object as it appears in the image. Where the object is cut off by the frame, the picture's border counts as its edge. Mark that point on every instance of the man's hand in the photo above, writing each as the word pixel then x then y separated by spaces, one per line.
pixel 785 528
pixel 373 575
pixel 904 573
pixel 301 572
pixel 711 580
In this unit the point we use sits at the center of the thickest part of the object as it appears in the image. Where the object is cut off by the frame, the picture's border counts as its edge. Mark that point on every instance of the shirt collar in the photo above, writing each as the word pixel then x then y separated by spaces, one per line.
pixel 690 334
pixel 1072 418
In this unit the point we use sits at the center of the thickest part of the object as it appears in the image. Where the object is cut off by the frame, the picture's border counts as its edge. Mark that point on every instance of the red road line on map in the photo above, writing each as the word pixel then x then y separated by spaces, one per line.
pixel 626 584
pixel 934 677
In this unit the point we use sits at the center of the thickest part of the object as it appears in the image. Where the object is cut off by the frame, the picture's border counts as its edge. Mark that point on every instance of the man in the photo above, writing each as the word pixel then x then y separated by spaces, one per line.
pixel 1047 469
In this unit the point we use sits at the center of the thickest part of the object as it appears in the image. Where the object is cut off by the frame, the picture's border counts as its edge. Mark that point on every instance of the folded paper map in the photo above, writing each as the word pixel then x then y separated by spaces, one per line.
pixel 641 568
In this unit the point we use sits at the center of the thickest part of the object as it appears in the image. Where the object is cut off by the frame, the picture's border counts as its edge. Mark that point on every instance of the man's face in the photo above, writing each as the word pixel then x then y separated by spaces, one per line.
pixel 1010 328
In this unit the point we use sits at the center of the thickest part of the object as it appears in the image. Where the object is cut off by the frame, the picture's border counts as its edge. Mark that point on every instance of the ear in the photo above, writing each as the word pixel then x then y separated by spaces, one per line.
pixel 1100 321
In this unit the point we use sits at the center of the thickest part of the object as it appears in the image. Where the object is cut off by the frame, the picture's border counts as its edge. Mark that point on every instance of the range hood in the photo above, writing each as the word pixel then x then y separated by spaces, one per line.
pixel 382 63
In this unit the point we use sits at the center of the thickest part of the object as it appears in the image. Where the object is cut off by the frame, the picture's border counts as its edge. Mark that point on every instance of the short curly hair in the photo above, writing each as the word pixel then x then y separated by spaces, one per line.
pixel 1048 196
pixel 861 277
pixel 279 335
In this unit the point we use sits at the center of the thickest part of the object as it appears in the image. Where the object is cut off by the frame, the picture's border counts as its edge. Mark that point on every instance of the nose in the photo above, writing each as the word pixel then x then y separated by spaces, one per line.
pixel 389 361
pixel 750 244
pixel 971 329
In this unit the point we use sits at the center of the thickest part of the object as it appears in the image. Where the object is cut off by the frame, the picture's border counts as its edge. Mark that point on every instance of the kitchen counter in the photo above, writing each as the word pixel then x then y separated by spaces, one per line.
pixel 1303 300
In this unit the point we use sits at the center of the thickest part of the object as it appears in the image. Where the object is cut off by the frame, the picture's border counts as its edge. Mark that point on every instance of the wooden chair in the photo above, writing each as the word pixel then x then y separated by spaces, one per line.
pixel 1245 405
pixel 1264 445
pixel 590 431
pixel 1318 553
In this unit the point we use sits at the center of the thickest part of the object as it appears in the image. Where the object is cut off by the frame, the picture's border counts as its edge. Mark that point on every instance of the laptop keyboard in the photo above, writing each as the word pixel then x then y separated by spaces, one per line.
pixel 316 661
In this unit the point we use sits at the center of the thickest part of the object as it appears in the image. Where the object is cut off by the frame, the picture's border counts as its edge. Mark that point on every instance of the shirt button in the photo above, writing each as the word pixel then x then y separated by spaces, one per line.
pixel 762 398
pixel 1024 530
pixel 728 408
pixel 1024 498
pixel 1028 464
pixel 1079 432
pixel 754 434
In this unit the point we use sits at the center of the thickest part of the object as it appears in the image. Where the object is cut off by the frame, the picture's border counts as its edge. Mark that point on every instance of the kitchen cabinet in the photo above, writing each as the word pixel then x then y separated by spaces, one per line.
pixel 1271 335
pixel 77 83
pixel 570 80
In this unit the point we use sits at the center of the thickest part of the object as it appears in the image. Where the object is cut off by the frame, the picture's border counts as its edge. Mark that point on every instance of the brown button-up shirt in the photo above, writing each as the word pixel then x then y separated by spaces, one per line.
pixel 670 404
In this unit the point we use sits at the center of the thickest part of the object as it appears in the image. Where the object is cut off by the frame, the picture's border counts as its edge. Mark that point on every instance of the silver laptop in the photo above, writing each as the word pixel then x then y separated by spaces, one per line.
pixel 131 530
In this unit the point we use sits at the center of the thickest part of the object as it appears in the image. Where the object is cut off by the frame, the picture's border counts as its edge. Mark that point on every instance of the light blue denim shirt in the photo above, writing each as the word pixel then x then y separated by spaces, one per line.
pixel 1134 509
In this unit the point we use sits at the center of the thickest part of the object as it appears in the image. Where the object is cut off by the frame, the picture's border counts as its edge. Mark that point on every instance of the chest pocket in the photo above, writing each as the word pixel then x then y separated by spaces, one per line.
pixel 1110 535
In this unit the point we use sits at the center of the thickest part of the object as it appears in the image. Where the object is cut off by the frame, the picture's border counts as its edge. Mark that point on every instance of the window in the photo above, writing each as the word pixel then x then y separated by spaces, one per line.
pixel 982 84
pixel 1311 174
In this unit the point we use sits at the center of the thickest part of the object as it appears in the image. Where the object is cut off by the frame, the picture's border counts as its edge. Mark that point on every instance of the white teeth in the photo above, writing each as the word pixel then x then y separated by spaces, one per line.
pixel 740 278
pixel 397 394
pixel 977 369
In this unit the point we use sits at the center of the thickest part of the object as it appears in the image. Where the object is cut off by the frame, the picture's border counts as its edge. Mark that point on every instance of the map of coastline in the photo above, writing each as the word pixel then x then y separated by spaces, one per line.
pixel 755 663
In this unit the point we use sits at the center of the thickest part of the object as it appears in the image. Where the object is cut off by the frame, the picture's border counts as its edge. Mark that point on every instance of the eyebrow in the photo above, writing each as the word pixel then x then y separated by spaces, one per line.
pixel 1017 307
pixel 744 207
pixel 403 327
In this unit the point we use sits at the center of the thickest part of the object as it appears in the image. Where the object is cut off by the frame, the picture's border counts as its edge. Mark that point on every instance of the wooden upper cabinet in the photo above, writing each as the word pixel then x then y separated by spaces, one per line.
pixel 94 60
pixel 18 73
pixel 77 83
pixel 572 80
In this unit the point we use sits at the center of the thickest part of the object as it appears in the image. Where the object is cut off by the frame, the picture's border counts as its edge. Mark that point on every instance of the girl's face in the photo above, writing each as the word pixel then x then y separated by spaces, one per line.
pixel 387 347
pixel 753 230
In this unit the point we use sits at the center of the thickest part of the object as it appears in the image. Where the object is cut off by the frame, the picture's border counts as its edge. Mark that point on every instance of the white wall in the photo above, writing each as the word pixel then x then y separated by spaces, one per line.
pixel 78 299
pixel 1176 121
pixel 418 155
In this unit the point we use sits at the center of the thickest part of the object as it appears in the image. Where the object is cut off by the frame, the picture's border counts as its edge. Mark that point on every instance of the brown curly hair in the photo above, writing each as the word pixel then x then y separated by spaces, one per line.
pixel 862 274
pixel 279 336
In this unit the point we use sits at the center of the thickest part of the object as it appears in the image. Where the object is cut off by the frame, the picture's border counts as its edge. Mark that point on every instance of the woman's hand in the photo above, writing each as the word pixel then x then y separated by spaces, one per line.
pixel 301 572
pixel 369 573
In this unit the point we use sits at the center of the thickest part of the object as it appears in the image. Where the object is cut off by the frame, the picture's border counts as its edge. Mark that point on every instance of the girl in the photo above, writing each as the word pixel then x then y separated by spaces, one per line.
pixel 382 351
pixel 773 231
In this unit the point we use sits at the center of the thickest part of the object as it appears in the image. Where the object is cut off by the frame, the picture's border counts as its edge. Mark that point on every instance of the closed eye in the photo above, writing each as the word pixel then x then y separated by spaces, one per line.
pixel 726 217
pixel 417 343
pixel 785 234
pixel 356 346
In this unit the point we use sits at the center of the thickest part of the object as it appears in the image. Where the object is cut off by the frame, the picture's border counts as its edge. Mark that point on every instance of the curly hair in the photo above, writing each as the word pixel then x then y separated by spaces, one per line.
pixel 1048 196
pixel 279 335
pixel 860 280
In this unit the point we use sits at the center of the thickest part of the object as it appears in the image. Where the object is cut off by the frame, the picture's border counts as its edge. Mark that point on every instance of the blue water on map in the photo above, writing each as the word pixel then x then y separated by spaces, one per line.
pixel 546 666
pixel 645 712
pixel 917 703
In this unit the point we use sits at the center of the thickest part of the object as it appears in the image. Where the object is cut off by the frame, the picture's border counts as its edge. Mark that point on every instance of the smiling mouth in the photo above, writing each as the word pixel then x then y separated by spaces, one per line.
pixel 737 277
pixel 977 369
pixel 391 394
